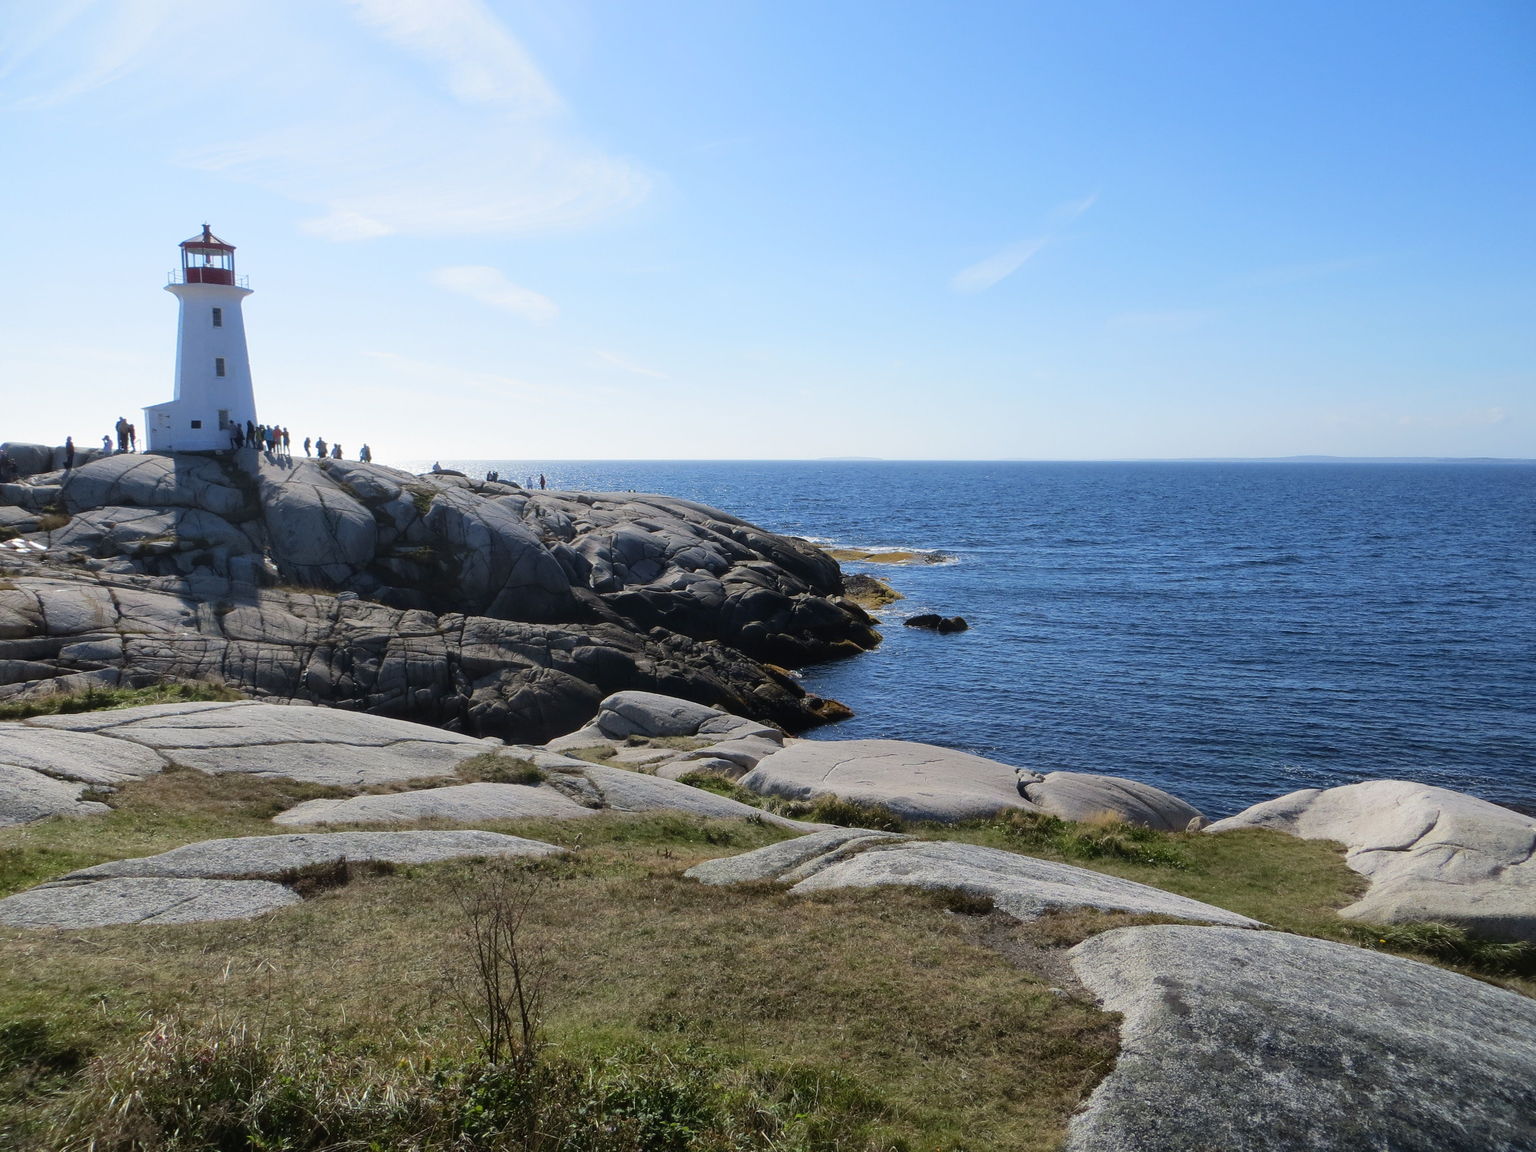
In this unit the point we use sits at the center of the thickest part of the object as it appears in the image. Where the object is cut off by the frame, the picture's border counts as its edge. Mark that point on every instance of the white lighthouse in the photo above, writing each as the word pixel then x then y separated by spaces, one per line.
pixel 213 369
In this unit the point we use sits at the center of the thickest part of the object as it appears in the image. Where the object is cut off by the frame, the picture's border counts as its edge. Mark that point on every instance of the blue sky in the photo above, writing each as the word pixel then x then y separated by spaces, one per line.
pixel 786 229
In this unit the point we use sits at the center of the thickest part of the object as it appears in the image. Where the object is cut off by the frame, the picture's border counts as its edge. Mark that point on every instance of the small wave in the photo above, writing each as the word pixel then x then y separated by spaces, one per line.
pixel 1268 561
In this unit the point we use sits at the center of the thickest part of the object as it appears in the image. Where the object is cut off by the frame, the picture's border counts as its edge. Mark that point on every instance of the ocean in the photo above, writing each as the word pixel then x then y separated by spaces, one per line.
pixel 1226 631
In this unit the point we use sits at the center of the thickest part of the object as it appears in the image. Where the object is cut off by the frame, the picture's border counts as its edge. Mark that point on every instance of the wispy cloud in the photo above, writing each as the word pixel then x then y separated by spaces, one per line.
pixel 413 118
pixel 491 288
pixel 1000 265
pixel 484 63
pixel 636 369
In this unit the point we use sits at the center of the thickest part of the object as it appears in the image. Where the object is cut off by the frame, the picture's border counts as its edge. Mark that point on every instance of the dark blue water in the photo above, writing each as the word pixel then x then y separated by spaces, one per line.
pixel 1228 632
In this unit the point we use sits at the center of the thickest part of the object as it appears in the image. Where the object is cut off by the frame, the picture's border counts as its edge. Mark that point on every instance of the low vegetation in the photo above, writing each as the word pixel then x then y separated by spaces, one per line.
pixel 666 1015
pixel 98 699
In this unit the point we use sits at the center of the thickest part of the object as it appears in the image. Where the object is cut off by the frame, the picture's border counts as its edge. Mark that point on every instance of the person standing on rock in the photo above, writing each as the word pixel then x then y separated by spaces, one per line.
pixel 133 438
pixel 69 453
pixel 306 445
pixel 366 455
pixel 106 445
pixel 287 442
pixel 336 452
pixel 121 428
pixel 542 485
pixel 320 447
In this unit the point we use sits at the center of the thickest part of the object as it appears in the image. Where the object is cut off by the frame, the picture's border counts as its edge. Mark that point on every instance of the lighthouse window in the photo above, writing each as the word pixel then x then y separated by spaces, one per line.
pixel 218 317
pixel 197 423
pixel 218 365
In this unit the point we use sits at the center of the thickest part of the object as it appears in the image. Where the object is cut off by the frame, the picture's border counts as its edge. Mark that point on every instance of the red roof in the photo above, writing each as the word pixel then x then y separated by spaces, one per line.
pixel 207 240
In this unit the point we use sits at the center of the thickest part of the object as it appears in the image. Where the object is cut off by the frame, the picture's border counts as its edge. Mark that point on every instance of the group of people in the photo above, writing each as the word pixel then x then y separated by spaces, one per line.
pixel 127 438
pixel 493 477
pixel 272 437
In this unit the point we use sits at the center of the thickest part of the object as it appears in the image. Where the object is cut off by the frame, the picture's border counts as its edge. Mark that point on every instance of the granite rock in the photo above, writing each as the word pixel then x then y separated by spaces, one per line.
pixel 454 804
pixel 915 781
pixel 1019 886
pixel 1430 853
pixel 132 900
pixel 1267 1042
pixel 1087 796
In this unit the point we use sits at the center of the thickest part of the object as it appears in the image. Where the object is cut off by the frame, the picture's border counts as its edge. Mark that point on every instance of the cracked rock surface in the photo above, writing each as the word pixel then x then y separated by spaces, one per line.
pixel 481 607
pixel 233 878
pixel 1268 1042
pixel 1430 853
pixel 1021 886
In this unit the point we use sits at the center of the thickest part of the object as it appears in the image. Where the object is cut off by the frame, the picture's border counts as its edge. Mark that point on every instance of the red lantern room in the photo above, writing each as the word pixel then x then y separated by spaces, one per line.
pixel 206 259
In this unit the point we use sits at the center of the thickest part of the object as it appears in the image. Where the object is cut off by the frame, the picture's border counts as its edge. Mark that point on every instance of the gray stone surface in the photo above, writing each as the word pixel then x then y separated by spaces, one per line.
pixel 651 714
pixel 1266 1042
pixel 167 565
pixel 133 900
pixel 45 773
pixel 1021 886
pixel 915 781
pixel 318 745
pixel 1430 853
pixel 1088 796
pixel 455 804
pixel 268 857
pixel 775 861
pixel 232 879
pixel 623 791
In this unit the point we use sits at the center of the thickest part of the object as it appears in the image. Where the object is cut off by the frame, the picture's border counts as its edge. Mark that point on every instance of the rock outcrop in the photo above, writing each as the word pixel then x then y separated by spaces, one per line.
pixel 233 879
pixel 480 607
pixel 1267 1041
pixel 1089 796
pixel 915 781
pixel 1020 886
pixel 1430 853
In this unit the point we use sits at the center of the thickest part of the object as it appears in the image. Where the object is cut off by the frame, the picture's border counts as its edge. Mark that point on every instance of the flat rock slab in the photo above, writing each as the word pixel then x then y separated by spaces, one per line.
pixel 915 781
pixel 1430 853
pixel 318 745
pixel 1087 796
pixel 1021 886
pixel 622 791
pixel 245 857
pixel 776 861
pixel 456 804
pixel 44 773
pixel 137 900
pixel 1267 1042
pixel 231 879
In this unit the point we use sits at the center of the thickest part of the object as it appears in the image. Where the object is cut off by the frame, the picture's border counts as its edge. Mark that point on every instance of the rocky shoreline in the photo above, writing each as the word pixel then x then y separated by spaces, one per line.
pixel 478 607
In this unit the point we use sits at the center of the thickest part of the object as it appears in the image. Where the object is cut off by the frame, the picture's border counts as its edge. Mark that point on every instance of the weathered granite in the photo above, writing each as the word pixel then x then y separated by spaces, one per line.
pixel 133 900
pixel 1020 886
pixel 234 878
pixel 776 861
pixel 270 857
pixel 1267 1042
pixel 915 781
pixel 455 804
pixel 1430 853
pixel 613 569
pixel 1088 796
pixel 45 773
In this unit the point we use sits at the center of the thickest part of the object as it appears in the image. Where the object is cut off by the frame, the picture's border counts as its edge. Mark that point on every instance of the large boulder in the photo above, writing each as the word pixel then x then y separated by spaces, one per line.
pixel 1430 853
pixel 47 773
pixel 143 481
pixel 1020 886
pixel 455 804
pixel 1267 1042
pixel 915 781
pixel 1088 796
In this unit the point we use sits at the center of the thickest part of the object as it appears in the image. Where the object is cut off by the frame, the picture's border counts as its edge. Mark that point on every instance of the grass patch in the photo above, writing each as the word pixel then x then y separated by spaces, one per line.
pixel 1029 832
pixel 101 699
pixel 1448 944
pixel 148 816
pixel 835 810
pixel 677 743
pixel 680 1016
pixel 51 521
pixel 592 753
pixel 494 768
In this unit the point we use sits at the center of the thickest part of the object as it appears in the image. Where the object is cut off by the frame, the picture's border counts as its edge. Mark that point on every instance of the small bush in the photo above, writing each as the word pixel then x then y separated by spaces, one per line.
pixel 1450 944
pixel 1095 841
pixel 51 521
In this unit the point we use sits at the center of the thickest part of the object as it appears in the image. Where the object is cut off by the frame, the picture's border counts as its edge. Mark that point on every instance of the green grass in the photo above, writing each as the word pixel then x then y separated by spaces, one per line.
pixel 495 768
pixel 1449 944
pixel 100 699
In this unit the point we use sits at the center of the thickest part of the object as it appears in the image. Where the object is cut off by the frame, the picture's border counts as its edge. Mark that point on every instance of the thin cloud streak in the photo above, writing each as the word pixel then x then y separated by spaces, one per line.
pixel 491 288
pixel 484 63
pixel 636 369
pixel 984 274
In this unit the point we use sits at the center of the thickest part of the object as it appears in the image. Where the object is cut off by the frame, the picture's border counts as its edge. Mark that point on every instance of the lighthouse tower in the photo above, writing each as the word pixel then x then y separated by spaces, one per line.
pixel 213 369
